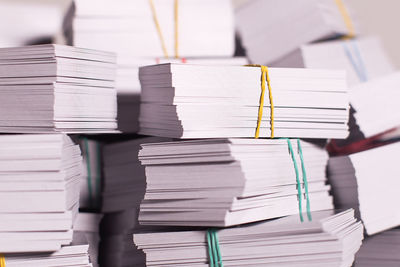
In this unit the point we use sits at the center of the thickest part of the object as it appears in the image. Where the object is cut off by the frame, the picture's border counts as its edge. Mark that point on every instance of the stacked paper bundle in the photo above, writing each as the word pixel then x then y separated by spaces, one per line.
pixel 290 25
pixel 124 179
pixel 39 192
pixel 166 28
pixel 74 255
pixel 57 88
pixel 329 240
pixel 91 179
pixel 380 250
pixel 368 181
pixel 363 58
pixel 181 101
pixel 87 226
pixel 223 182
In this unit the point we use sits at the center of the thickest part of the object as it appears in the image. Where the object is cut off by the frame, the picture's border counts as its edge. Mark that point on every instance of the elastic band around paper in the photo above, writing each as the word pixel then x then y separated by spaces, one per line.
pixel 347 19
pixel 303 168
pixel 357 62
pixel 2 261
pixel 299 194
pixel 158 27
pixel 214 252
pixel 176 20
pixel 264 80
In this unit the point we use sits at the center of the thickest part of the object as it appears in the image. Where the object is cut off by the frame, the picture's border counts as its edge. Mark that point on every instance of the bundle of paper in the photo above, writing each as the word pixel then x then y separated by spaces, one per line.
pixel 74 255
pixel 91 179
pixel 380 250
pixel 39 191
pixel 222 182
pixel 288 25
pixel 124 179
pixel 153 28
pixel 128 85
pixel 87 224
pixel 363 58
pixel 358 182
pixel 329 240
pixel 188 101
pixel 57 88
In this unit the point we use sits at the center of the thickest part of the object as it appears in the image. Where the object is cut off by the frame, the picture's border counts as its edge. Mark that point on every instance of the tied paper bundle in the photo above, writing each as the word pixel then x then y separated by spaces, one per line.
pixel 188 101
pixel 288 25
pixel 153 28
pixel 124 179
pixel 49 88
pixel 363 58
pixel 329 240
pixel 380 250
pixel 39 191
pixel 232 181
pixel 71 256
pixel 368 181
pixel 86 226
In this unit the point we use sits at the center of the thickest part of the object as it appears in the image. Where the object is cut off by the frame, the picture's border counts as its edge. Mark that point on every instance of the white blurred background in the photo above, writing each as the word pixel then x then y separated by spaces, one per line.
pixel 377 17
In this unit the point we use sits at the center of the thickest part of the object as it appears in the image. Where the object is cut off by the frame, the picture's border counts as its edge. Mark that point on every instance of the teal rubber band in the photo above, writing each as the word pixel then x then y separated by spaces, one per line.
pixel 98 178
pixel 210 250
pixel 214 248
pixel 303 168
pixel 219 257
pixel 360 60
pixel 89 171
pixel 299 195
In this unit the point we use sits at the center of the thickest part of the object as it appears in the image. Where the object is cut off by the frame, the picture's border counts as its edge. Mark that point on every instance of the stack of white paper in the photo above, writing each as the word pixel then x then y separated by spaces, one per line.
pixel 188 101
pixel 57 88
pixel 270 29
pixel 369 182
pixel 124 179
pixel 91 179
pixel 224 182
pixel 363 58
pixel 74 255
pixel 88 224
pixel 376 107
pixel 380 250
pixel 129 27
pixel 329 240
pixel 39 191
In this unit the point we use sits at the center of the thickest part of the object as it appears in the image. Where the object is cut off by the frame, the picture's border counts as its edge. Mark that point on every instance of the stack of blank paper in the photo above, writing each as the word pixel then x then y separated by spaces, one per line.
pixel 124 179
pixel 57 88
pixel 39 191
pixel 329 240
pixel 271 29
pixel 380 250
pixel 363 58
pixel 225 182
pixel 376 106
pixel 369 181
pixel 190 101
pixel 71 256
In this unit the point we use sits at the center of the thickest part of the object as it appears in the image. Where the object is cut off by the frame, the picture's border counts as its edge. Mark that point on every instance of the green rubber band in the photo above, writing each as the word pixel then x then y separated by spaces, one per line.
pixel 303 168
pixel 89 171
pixel 214 250
pixel 210 250
pixel 299 195
pixel 98 178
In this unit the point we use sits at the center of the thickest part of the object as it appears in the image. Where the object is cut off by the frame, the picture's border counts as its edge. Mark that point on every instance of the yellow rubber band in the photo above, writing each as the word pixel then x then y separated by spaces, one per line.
pixel 347 19
pixel 2 261
pixel 157 24
pixel 176 5
pixel 264 80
